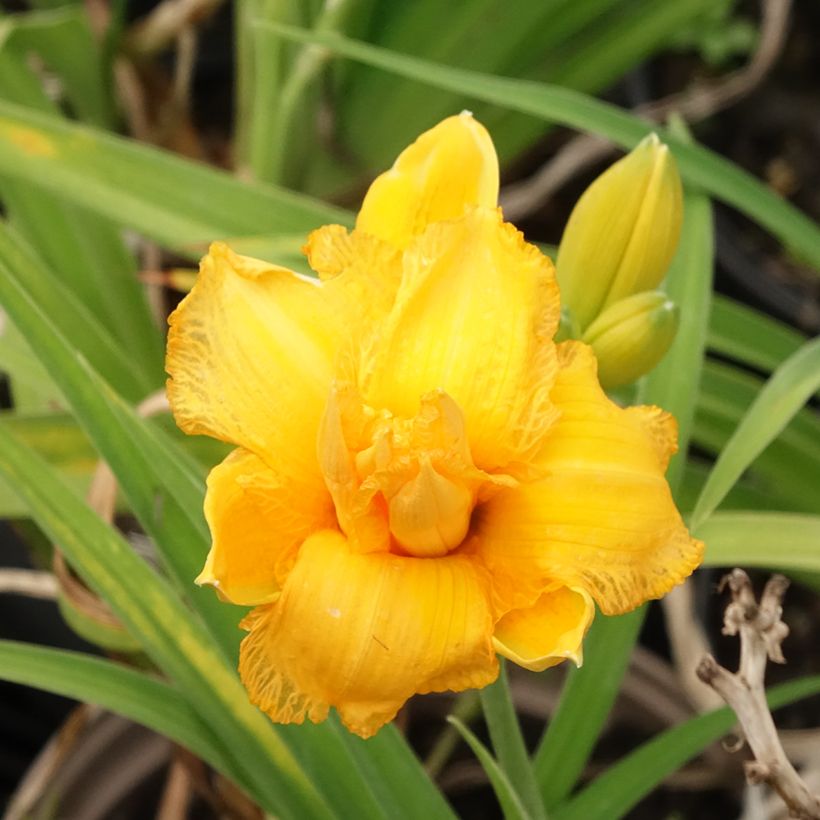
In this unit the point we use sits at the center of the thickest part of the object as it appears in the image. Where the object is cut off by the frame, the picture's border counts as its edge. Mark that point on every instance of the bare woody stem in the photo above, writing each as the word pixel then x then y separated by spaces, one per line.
pixel 761 634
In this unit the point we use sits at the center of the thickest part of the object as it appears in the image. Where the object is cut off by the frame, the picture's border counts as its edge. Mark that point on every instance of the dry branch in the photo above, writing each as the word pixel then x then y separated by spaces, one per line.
pixel 761 633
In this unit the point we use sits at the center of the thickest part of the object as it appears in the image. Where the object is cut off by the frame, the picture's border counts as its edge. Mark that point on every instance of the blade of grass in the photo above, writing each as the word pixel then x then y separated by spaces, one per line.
pixel 783 541
pixel 508 743
pixel 699 166
pixel 117 688
pixel 508 798
pixel 169 633
pixel 614 793
pixel 792 384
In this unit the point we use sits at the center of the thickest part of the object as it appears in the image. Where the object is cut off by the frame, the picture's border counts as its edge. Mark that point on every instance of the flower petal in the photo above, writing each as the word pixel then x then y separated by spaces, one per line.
pixel 257 523
pixel 474 316
pixel 364 632
pixel 548 632
pixel 601 517
pixel 446 169
pixel 250 355
pixel 361 275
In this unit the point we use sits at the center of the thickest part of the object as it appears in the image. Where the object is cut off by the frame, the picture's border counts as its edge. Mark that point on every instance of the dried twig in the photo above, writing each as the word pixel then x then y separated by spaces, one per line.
pixel 694 105
pixel 29 582
pixel 165 23
pixel 761 633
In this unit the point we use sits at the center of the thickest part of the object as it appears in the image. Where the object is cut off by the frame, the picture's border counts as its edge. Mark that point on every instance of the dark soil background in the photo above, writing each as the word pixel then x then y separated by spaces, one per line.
pixel 775 134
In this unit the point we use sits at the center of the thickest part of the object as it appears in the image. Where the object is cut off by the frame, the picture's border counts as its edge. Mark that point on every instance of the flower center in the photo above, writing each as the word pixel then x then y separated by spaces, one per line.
pixel 404 485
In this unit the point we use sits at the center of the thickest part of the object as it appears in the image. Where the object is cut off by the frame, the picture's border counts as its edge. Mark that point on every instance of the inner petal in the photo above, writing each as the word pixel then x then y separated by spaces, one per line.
pixel 407 486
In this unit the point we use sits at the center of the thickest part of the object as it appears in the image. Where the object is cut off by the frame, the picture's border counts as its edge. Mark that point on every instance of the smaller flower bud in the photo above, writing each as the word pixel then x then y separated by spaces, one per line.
pixel 632 336
pixel 622 233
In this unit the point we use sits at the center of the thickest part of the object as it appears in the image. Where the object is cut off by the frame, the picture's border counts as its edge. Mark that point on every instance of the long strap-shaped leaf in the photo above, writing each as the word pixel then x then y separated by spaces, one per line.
pixel 508 797
pixel 785 541
pixel 169 633
pixel 182 204
pixel 615 792
pixel 117 688
pixel 792 384
pixel 699 166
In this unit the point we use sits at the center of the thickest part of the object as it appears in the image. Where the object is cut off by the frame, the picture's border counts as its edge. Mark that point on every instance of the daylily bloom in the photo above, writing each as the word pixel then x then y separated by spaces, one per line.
pixel 422 478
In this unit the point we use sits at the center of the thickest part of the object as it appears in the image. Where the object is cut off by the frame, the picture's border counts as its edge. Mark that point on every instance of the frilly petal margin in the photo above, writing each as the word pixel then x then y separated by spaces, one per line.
pixel 447 169
pixel 548 632
pixel 250 355
pixel 602 517
pixel 258 522
pixel 364 632
pixel 474 316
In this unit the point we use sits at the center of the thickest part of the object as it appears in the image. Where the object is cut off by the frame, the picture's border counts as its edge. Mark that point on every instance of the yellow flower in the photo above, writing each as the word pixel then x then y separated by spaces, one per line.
pixel 622 233
pixel 422 478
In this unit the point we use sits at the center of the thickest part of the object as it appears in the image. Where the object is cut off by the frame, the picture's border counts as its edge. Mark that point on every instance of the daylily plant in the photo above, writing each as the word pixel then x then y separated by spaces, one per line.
pixel 423 479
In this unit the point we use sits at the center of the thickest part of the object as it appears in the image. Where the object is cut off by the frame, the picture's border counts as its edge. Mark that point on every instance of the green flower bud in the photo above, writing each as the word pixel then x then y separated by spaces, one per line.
pixel 622 233
pixel 632 336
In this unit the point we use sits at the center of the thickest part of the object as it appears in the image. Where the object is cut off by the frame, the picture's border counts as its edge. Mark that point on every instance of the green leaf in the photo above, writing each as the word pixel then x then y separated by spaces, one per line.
pixel 747 538
pixel 789 468
pixel 64 40
pixel 699 166
pixel 32 390
pixel 85 248
pixel 508 742
pixel 394 774
pixel 72 318
pixel 750 337
pixel 614 793
pixel 675 383
pixel 180 204
pixel 792 384
pixel 509 800
pixel 117 688
pixel 585 703
pixel 174 639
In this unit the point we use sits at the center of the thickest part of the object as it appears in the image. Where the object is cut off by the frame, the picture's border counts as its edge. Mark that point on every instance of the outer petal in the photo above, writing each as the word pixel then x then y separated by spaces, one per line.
pixel 365 632
pixel 602 517
pixel 361 275
pixel 250 355
pixel 446 169
pixel 548 632
pixel 257 523
pixel 474 316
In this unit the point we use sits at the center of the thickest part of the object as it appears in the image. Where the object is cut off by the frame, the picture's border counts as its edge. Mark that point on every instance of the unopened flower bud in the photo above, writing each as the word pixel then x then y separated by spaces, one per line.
pixel 622 233
pixel 632 336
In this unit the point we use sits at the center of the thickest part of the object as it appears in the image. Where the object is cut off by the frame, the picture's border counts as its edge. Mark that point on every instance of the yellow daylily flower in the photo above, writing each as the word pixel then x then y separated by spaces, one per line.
pixel 423 478
pixel 622 233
